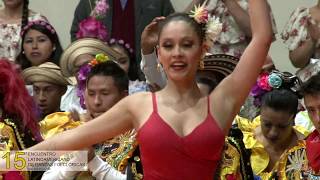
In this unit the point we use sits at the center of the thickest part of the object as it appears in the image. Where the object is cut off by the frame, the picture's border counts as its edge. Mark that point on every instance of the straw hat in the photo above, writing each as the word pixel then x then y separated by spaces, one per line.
pixel 220 65
pixel 46 72
pixel 84 46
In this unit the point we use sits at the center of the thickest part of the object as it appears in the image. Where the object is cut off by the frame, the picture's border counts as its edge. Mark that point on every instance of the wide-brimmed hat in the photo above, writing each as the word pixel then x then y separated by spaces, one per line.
pixel 46 72
pixel 84 46
pixel 220 65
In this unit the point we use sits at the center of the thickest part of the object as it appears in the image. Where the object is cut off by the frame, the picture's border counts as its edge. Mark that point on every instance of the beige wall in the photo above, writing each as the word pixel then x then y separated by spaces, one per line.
pixel 60 14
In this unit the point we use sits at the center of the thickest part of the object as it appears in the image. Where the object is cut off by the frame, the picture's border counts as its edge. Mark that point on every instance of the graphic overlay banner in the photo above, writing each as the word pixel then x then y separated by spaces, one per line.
pixel 43 160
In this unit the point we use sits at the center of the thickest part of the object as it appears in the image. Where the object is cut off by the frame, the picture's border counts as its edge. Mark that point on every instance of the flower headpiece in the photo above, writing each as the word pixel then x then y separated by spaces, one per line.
pixel 83 74
pixel 91 27
pixel 275 80
pixel 37 22
pixel 212 24
pixel 100 9
pixel 122 43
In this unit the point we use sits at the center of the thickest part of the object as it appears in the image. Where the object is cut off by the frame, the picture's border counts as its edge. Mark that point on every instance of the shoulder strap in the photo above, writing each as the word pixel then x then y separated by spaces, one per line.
pixel 154 102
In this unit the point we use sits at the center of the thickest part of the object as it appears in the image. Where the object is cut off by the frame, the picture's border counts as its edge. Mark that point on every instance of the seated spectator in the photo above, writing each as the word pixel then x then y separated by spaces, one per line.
pixel 127 62
pixel 301 35
pixel 272 134
pixel 102 85
pixel 303 162
pixel 48 85
pixel 13 16
pixel 74 56
pixel 40 43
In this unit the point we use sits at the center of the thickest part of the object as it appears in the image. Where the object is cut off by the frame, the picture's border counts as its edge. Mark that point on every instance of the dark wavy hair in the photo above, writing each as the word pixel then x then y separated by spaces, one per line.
pixel 281 100
pixel 108 68
pixel 16 103
pixel 198 28
pixel 23 61
pixel 312 86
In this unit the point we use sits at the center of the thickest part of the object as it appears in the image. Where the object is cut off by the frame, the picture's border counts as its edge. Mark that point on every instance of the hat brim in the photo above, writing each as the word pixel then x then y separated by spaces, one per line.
pixel 220 64
pixel 38 74
pixel 84 46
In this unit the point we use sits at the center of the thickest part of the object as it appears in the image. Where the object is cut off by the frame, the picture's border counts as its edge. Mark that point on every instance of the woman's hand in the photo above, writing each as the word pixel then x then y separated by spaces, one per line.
pixel 149 37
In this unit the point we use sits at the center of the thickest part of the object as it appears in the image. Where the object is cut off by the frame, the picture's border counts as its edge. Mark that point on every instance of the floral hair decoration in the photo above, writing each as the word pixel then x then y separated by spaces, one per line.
pixel 122 43
pixel 92 27
pixel 38 22
pixel 83 75
pixel 275 80
pixel 213 27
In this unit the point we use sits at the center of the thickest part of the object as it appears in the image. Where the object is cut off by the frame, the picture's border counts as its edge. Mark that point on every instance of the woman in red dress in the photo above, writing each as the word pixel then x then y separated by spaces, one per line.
pixel 180 131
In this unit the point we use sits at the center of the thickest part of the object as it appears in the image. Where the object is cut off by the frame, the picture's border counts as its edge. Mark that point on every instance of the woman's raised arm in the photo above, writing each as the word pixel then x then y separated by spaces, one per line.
pixel 115 121
pixel 231 93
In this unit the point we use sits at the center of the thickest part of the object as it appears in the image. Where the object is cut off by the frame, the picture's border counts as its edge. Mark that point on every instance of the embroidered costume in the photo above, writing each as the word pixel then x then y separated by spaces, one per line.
pixel 259 158
pixel 303 161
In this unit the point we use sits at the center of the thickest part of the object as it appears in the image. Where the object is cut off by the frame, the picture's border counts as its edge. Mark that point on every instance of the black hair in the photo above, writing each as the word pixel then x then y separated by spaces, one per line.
pixel 312 86
pixel 281 100
pixel 132 72
pixel 25 13
pixel 198 28
pixel 110 68
pixel 55 55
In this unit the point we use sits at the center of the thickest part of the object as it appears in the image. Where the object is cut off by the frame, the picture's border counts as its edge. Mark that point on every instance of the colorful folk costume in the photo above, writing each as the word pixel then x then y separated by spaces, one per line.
pixel 18 126
pixel 303 162
pixel 115 151
pixel 234 165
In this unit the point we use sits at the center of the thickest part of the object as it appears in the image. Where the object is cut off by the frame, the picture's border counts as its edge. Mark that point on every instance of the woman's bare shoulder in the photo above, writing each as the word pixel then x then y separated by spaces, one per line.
pixel 140 105
pixel 139 100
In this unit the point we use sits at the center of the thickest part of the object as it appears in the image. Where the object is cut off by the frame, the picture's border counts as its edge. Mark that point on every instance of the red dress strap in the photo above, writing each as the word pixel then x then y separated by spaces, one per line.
pixel 208 97
pixel 154 102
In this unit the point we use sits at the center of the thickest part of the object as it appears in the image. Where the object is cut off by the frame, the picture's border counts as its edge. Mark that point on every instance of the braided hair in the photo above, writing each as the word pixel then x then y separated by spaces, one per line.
pixel 25 13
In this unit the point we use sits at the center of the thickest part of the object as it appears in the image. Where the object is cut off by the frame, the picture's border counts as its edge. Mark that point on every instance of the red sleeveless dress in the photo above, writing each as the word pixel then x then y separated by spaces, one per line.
pixel 165 155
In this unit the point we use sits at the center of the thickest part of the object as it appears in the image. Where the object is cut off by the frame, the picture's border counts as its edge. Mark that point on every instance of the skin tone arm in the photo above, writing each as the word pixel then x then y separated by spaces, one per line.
pixel 240 15
pixel 301 55
pixel 115 121
pixel 231 93
pixel 149 36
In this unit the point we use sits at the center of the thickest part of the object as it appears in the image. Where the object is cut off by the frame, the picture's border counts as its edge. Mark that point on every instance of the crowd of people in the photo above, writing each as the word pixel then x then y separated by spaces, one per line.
pixel 150 93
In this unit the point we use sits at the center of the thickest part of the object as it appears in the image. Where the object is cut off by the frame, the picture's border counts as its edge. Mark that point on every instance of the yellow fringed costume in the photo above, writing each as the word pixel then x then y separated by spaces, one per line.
pixel 115 151
pixel 259 158
pixel 11 140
